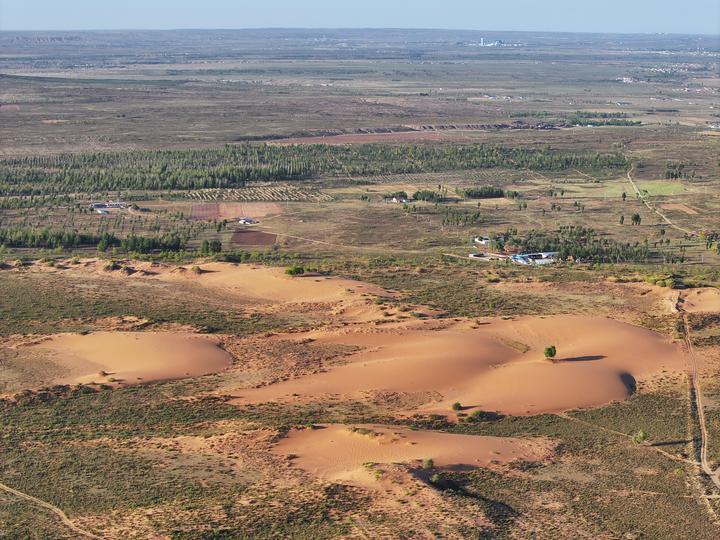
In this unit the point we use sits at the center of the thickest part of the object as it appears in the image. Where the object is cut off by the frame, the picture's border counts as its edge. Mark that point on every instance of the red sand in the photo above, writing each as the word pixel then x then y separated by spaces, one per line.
pixel 135 357
pixel 703 300
pixel 338 452
pixel 599 360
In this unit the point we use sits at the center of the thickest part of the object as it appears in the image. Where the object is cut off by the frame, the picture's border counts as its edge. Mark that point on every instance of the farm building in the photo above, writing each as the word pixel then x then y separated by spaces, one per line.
pixel 535 259
pixel 118 205
pixel 482 240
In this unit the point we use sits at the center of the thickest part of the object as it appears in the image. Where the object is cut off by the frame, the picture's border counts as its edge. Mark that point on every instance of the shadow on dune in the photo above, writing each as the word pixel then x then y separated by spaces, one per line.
pixel 629 381
pixel 589 358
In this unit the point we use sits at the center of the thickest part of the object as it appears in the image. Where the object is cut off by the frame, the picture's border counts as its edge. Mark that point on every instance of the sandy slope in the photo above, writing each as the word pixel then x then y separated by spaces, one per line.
pixel 703 300
pixel 338 452
pixel 272 285
pixel 498 366
pixel 134 357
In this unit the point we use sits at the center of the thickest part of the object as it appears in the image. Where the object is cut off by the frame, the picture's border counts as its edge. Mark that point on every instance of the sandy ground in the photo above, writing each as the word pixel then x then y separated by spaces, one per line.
pixel 272 285
pixel 338 452
pixel 247 283
pixel 703 300
pixel 498 366
pixel 133 357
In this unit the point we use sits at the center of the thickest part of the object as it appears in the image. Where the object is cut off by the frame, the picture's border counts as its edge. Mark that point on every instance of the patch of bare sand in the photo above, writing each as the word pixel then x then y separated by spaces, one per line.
pixel 338 453
pixel 252 285
pixel 498 366
pixel 133 357
pixel 702 300
pixel 272 285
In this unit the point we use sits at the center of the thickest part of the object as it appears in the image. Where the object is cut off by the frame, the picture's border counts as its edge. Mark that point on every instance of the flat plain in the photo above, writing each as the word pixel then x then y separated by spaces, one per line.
pixel 237 298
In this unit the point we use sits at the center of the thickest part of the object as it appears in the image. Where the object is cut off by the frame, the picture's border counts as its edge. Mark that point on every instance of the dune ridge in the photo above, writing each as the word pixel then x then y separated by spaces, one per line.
pixel 600 360
pixel 338 452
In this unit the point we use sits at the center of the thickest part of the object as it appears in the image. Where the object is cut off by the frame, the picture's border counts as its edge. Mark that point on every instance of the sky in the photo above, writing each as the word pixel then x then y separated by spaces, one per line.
pixel 621 16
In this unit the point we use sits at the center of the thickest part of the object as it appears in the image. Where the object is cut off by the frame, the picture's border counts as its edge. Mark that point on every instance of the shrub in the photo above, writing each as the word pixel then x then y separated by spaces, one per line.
pixel 640 437
pixel 457 406
pixel 550 352
pixel 484 416
pixel 110 266
pixel 295 270
pixel 428 464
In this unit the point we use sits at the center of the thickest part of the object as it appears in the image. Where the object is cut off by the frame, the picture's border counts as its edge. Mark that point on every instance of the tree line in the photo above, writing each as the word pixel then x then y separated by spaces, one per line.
pixel 60 239
pixel 576 243
pixel 233 166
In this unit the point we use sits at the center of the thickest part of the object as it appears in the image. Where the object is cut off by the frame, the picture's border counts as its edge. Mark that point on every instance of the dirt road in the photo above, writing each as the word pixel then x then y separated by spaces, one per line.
pixel 695 381
pixel 54 509
pixel 651 207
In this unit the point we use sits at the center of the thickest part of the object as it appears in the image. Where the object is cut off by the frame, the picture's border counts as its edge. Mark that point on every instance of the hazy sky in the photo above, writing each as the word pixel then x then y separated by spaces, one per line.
pixel 672 16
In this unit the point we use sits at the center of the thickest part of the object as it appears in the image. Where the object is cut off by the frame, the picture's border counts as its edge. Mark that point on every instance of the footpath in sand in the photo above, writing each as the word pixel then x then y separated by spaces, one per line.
pixel 133 357
pixel 338 452
pixel 497 366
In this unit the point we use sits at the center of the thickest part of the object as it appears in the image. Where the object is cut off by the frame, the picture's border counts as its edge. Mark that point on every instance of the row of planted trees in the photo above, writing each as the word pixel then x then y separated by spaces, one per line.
pixel 234 166
pixel 54 239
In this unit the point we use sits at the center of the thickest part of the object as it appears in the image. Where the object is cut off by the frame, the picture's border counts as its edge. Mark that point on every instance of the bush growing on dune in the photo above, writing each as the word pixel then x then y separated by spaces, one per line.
pixel 457 406
pixel 550 352
pixel 428 464
pixel 110 266
pixel 295 270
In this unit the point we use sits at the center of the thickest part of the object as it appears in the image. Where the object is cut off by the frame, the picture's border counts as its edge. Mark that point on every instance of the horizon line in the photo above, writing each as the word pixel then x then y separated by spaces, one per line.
pixel 388 28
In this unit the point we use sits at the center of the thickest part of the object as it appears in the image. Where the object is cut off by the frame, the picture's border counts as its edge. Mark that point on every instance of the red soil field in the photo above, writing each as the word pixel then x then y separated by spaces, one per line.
pixel 252 238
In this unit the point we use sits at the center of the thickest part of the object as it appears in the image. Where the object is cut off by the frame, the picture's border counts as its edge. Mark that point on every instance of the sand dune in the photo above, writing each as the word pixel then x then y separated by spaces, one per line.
pixel 337 452
pixel 704 300
pixel 498 366
pixel 272 285
pixel 134 357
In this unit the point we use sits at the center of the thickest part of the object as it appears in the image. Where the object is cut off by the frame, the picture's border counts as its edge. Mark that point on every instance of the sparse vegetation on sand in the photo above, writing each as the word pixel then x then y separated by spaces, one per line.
pixel 310 324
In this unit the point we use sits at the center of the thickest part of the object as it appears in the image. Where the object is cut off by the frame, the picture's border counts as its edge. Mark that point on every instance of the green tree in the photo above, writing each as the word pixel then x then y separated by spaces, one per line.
pixel 550 352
